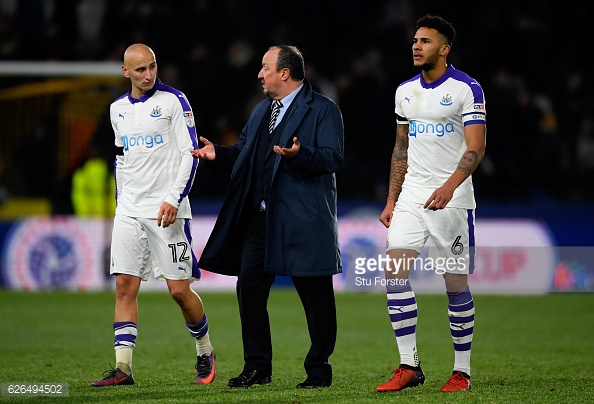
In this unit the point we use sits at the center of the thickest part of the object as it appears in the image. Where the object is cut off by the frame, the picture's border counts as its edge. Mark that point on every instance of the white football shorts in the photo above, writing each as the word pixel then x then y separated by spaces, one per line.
pixel 451 233
pixel 139 246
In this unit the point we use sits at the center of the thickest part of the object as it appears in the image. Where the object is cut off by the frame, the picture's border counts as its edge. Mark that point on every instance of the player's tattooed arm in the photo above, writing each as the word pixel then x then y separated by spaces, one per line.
pixel 475 137
pixel 468 162
pixel 399 163
pixel 398 167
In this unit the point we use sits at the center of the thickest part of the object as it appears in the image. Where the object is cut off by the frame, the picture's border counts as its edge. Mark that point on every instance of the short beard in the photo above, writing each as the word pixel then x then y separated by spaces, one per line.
pixel 429 64
pixel 424 67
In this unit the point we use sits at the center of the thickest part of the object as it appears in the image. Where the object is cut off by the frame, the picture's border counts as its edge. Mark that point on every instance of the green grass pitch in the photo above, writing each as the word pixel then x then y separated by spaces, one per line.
pixel 536 349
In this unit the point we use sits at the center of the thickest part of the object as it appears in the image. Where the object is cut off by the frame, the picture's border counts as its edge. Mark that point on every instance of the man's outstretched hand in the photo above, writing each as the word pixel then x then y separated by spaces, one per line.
pixel 205 153
pixel 288 153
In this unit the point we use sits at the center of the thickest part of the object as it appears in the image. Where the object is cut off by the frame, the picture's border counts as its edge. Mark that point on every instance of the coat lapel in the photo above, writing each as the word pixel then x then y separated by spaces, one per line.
pixel 253 131
pixel 298 112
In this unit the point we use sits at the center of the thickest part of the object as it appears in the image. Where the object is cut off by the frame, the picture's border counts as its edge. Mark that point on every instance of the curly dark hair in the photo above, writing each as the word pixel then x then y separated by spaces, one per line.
pixel 439 24
pixel 289 57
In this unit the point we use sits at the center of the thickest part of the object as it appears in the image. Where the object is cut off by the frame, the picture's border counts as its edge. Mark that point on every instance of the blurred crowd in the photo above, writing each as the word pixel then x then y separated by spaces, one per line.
pixel 527 57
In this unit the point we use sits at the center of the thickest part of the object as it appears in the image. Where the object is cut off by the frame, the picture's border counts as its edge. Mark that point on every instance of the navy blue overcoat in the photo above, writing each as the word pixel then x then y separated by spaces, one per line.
pixel 301 226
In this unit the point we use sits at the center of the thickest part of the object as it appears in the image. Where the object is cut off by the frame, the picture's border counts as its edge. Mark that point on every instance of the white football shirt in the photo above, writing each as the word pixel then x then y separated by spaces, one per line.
pixel 436 114
pixel 157 132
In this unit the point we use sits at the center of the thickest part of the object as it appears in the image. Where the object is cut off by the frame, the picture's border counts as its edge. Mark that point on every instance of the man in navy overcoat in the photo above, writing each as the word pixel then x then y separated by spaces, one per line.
pixel 279 214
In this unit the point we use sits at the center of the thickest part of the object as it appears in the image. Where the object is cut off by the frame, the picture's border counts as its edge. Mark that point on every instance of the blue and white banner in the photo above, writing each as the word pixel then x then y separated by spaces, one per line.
pixel 512 257
pixel 59 253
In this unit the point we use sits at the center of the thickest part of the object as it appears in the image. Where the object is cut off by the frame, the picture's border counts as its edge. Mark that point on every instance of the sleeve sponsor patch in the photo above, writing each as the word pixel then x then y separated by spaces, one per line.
pixel 189 117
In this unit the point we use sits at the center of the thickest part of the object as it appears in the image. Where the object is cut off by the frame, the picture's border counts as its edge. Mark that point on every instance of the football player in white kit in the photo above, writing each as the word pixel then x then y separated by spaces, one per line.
pixel 440 140
pixel 154 125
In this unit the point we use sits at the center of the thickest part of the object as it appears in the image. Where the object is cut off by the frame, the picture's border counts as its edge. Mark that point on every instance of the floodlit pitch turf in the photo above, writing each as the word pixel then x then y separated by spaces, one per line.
pixel 526 349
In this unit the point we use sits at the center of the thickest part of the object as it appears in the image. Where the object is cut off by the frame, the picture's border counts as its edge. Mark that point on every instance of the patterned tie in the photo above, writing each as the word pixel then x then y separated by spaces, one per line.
pixel 276 106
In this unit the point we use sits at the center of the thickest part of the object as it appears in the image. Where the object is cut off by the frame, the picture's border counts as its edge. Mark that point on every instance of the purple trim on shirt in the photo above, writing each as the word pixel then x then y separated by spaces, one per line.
pixel 448 73
pixel 455 74
pixel 181 97
pixel 159 86
pixel 186 190
pixel 476 88
pixel 146 96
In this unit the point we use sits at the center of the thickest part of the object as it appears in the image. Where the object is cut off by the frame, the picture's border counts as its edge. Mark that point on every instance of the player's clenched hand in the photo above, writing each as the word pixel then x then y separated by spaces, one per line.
pixel 386 215
pixel 167 215
pixel 207 152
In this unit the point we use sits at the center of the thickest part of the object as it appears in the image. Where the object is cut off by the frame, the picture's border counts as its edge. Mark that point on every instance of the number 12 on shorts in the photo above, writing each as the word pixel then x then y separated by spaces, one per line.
pixel 183 246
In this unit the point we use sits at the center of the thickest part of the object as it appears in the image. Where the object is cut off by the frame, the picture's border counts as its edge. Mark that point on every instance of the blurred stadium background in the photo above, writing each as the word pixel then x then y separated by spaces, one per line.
pixel 60 69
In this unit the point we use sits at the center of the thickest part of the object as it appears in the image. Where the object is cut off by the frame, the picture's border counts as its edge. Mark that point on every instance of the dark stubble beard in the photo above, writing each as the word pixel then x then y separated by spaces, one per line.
pixel 428 65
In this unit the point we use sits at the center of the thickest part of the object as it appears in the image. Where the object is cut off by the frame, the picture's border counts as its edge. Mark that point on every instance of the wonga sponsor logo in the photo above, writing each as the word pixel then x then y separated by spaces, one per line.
pixel 147 141
pixel 421 128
